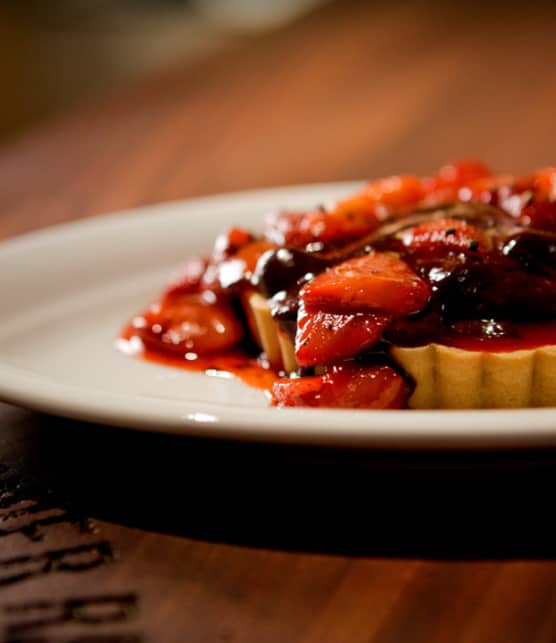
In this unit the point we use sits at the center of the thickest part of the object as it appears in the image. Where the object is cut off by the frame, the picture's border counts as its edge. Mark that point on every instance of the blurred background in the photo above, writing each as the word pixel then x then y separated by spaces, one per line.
pixel 57 54
pixel 109 104
pixel 54 54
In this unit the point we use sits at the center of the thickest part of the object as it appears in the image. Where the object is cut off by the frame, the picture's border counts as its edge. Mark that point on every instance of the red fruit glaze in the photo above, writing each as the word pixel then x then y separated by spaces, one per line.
pixel 345 386
pixel 436 238
pixel 376 282
pixel 323 338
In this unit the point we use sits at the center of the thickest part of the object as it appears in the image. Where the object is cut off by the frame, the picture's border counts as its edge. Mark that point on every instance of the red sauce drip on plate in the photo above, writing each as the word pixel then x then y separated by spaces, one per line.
pixel 248 369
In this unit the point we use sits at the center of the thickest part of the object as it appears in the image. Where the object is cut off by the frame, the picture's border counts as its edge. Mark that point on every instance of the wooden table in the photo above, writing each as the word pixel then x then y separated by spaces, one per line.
pixel 113 536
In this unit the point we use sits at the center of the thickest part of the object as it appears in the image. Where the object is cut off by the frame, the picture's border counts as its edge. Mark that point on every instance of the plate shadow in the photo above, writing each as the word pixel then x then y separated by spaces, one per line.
pixel 426 504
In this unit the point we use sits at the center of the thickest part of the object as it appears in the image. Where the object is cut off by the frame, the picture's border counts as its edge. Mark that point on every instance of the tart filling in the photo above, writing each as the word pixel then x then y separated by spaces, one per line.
pixel 435 292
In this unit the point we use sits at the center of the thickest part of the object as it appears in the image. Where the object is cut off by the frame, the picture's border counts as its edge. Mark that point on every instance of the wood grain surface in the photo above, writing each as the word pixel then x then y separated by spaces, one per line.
pixel 107 535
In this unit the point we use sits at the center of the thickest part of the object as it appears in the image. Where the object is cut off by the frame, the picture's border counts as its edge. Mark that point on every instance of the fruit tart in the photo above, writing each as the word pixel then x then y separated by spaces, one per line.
pixel 415 292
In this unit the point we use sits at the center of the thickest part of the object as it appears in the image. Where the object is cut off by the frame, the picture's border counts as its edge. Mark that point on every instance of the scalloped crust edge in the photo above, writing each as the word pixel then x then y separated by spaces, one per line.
pixel 452 378
pixel 445 377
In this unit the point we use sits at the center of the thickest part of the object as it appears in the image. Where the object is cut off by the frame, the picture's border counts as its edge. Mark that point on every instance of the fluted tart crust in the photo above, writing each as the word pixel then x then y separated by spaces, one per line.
pixel 451 378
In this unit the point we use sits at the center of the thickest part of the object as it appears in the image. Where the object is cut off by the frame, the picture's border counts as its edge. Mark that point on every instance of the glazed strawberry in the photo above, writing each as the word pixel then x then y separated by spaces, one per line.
pixel 457 174
pixel 489 190
pixel 437 238
pixel 526 197
pixel 382 196
pixel 541 185
pixel 297 229
pixel 191 323
pixel 299 391
pixel 345 386
pixel 375 282
pixel 238 267
pixel 323 338
pixel 252 252
pixel 229 242
pixel 454 181
pixel 286 228
pixel 544 182
pixel 533 200
pixel 349 219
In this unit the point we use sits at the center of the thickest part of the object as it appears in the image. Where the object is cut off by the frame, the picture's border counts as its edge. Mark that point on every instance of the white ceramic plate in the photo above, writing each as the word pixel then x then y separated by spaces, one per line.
pixel 65 293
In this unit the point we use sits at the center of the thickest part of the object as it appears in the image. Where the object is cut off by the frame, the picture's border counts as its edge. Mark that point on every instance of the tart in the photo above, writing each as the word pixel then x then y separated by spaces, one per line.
pixel 446 377
pixel 416 292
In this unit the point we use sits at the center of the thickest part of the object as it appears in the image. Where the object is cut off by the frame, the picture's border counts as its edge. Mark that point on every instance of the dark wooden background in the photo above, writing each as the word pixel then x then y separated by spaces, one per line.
pixel 112 536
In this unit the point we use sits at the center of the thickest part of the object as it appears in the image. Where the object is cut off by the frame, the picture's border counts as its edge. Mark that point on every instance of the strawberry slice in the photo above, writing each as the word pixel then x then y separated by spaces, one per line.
pixel 229 242
pixel 457 174
pixel 286 228
pixel 297 229
pixel 545 183
pixel 349 219
pixel 437 238
pixel 455 179
pixel 376 282
pixel 323 338
pixel 541 184
pixel 190 323
pixel 252 252
pixel 345 386
pixel 490 190
pixel 533 200
pixel 238 268
pixel 390 194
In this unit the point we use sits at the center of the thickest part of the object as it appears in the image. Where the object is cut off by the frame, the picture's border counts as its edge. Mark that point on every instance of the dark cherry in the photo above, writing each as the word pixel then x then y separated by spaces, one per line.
pixel 534 250
pixel 491 291
pixel 286 268
pixel 417 330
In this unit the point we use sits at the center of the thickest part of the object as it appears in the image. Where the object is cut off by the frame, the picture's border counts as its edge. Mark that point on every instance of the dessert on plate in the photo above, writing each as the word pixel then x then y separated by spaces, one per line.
pixel 415 292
